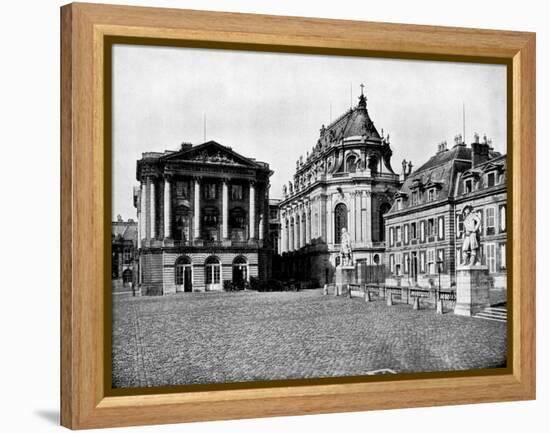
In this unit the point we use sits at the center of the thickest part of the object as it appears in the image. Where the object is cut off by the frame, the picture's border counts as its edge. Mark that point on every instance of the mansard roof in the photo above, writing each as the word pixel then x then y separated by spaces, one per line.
pixel 124 230
pixel 441 172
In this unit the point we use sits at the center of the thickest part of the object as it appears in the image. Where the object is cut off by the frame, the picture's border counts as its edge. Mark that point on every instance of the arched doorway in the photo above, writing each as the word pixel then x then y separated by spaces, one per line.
pixel 212 273
pixel 184 274
pixel 384 208
pixel 127 277
pixel 240 272
pixel 340 221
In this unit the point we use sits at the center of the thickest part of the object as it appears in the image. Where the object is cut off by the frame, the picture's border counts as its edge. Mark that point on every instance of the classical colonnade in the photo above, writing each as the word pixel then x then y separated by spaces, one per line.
pixel 147 218
pixel 310 218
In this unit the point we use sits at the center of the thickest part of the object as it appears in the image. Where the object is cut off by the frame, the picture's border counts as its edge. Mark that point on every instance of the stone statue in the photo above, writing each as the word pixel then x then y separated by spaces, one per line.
pixel 470 244
pixel 346 257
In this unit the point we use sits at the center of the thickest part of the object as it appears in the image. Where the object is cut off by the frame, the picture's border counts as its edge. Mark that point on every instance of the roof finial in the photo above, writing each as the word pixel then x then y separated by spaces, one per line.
pixel 362 98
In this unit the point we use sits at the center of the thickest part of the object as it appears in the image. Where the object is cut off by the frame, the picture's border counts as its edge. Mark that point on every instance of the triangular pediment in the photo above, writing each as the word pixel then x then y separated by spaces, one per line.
pixel 212 152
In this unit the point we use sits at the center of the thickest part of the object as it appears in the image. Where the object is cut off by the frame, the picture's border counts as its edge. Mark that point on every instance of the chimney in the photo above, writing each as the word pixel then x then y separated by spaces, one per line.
pixel 186 146
pixel 480 151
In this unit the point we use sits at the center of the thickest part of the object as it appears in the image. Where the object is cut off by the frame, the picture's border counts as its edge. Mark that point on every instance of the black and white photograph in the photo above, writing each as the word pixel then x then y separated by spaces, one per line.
pixel 285 216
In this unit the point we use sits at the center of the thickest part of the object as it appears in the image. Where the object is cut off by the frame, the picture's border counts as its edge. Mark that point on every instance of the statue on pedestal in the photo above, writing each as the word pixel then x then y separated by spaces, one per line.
pixel 346 256
pixel 470 243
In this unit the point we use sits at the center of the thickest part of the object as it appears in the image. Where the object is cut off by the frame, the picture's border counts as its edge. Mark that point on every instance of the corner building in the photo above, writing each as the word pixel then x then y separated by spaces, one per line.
pixel 202 219
pixel 346 181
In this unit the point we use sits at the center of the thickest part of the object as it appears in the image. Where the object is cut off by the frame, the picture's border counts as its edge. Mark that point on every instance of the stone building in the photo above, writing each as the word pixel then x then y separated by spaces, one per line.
pixel 202 216
pixel 424 225
pixel 123 254
pixel 346 181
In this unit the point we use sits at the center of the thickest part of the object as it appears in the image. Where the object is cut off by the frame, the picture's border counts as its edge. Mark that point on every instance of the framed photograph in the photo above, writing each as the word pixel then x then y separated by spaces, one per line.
pixel 265 215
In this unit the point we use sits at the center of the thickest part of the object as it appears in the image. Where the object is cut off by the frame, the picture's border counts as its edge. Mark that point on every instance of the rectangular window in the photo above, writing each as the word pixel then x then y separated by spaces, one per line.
pixel 490 221
pixel 406 234
pixel 236 192
pixel 502 218
pixel 502 256
pixel 468 186
pixel 491 257
pixel 459 225
pixel 431 261
pixel 398 264
pixel 413 230
pixel 406 262
pixel 210 191
pixel 491 180
pixel 391 237
pixel 431 226
pixel 441 260
pixel 398 234
pixel 441 228
pixel 422 261
pixel 431 194
pixel 422 231
pixel 392 264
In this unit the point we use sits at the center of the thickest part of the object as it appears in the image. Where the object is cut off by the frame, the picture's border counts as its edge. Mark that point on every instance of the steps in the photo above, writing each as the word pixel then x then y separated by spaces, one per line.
pixel 497 314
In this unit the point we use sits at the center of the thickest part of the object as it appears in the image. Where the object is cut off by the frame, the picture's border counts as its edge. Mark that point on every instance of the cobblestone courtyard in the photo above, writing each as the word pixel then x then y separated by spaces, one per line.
pixel 232 337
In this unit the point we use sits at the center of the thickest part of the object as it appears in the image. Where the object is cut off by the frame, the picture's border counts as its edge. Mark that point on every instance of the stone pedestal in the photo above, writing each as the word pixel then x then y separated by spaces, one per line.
pixel 472 289
pixel 345 275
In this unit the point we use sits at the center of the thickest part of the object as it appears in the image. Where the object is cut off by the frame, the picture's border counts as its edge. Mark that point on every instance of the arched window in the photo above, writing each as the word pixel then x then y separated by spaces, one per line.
pixel 373 164
pixel 183 274
pixel 212 270
pixel 340 221
pixel 240 271
pixel 384 208
pixel 351 164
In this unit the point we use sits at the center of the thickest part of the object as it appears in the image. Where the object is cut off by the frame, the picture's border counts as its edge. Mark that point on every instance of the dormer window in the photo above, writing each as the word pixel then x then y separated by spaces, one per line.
pixel 468 187
pixel 491 179
pixel 431 194
pixel 415 198
pixel 399 204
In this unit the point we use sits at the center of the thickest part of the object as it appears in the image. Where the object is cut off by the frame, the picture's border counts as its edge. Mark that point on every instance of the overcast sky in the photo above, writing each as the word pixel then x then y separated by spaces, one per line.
pixel 271 106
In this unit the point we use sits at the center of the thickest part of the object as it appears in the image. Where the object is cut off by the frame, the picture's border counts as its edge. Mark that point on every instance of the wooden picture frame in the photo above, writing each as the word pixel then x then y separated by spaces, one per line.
pixel 85 28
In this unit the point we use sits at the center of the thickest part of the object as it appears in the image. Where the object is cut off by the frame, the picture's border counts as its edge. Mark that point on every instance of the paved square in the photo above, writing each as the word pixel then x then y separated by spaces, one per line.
pixel 233 337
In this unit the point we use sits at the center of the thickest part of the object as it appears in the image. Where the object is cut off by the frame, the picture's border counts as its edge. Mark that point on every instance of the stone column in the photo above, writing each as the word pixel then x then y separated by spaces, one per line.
pixel 308 225
pixel 282 237
pixel 261 227
pixel 363 222
pixel 296 231
pixel 330 222
pixel 290 233
pixel 352 217
pixel 225 211
pixel 319 217
pixel 368 219
pixel 197 210
pixel 142 213
pixel 252 211
pixel 167 208
pixel 152 209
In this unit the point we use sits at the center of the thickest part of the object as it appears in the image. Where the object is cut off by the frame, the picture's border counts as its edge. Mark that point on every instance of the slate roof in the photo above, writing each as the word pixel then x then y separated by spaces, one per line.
pixel 440 171
pixel 124 230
